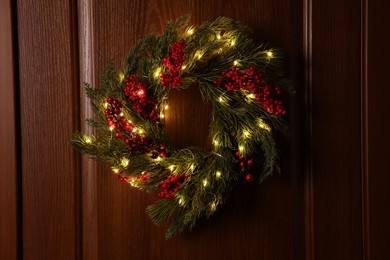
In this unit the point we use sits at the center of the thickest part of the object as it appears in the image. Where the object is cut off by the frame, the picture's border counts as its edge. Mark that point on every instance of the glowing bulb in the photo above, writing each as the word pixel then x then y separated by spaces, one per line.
pixel 157 73
pixel 181 201
pixel 87 139
pixel 270 54
pixel 125 162
pixel 190 31
pixel 219 36
pixel 199 55
pixel 263 125
pixel 141 131
pixel 159 159
pixel 221 100
pixel 215 142
pixel 171 168
pixel 121 76
pixel 162 115
pixel 241 148
pixel 115 170
pixel 121 114
pixel 105 105
pixel 251 96
pixel 218 174
pixel 111 128
pixel 141 92
pixel 235 63
pixel 205 182
pixel 232 43
pixel 183 67
pixel 213 206
pixel 134 129
pixel 166 107
pixel 192 167
pixel 246 134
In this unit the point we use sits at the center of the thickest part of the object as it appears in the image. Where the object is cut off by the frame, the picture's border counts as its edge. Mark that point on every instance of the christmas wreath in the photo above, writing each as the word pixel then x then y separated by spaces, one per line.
pixel 243 83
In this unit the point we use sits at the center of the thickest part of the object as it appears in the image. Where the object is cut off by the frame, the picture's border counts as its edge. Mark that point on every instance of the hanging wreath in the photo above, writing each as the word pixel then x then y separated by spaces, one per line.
pixel 243 83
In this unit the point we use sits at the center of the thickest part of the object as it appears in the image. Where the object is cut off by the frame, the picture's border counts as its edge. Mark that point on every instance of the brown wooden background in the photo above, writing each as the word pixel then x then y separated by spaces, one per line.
pixel 330 202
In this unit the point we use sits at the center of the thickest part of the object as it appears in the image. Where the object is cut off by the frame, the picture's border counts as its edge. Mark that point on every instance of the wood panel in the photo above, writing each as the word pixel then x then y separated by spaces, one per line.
pixel 258 220
pixel 335 136
pixel 8 142
pixel 49 109
pixel 376 129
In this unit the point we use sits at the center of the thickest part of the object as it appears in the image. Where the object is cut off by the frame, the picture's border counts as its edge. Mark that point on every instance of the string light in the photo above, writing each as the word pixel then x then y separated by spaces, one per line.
pixel 219 36
pixel 141 131
pixel 115 170
pixel 251 96
pixel 134 130
pixel 215 142
pixel 218 174
pixel 263 125
pixel 213 206
pixel 270 54
pixel 246 134
pixel 189 31
pixel 157 73
pixel 111 128
pixel 199 55
pixel 159 159
pixel 232 43
pixel 221 100
pixel 235 63
pixel 181 201
pixel 121 114
pixel 171 168
pixel 121 76
pixel 87 139
pixel 241 148
pixel 162 115
pixel 192 167
pixel 125 162
pixel 105 105
pixel 205 182
pixel 183 67
pixel 166 107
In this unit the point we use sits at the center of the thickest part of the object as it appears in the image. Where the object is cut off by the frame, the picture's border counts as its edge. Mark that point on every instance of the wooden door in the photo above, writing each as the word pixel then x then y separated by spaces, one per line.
pixel 330 202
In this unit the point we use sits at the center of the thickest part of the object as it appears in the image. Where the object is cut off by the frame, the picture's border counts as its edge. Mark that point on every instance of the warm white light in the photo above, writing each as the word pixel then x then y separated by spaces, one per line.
pixel 105 104
pixel 141 131
pixel 199 55
pixel 263 125
pixel 190 31
pixel 233 42
pixel 134 129
pixel 251 96
pixel 159 159
pixel 162 115
pixel 218 174
pixel 215 142
pixel 221 100
pixel 219 36
pixel 121 76
pixel 270 54
pixel 125 162
pixel 141 92
pixel 111 128
pixel 157 73
pixel 121 114
pixel 213 206
pixel 246 134
pixel 171 168
pixel 235 63
pixel 115 170
pixel 205 182
pixel 87 139
pixel 241 148
pixel 183 67
pixel 166 107
pixel 192 167
pixel 181 201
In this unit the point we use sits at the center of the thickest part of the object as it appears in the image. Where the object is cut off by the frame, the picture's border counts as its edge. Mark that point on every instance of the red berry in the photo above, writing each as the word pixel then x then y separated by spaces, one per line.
pixel 118 134
pixel 249 177
pixel 107 111
pixel 110 99
pixel 249 162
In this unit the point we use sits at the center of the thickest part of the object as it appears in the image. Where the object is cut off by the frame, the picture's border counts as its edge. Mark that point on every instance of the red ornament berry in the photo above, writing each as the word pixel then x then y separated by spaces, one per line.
pixel 249 162
pixel 249 177
pixel 110 99
pixel 163 153
pixel 118 134
pixel 107 111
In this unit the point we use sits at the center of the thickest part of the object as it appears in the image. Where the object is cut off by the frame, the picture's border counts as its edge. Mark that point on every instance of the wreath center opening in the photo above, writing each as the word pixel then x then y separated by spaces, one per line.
pixel 188 118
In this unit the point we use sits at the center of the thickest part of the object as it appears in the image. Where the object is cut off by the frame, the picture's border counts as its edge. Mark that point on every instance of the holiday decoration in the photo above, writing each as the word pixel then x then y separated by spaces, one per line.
pixel 243 83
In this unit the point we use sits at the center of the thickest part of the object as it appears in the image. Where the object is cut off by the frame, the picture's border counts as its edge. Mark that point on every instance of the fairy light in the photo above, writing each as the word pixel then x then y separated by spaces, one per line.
pixel 105 105
pixel 171 168
pixel 159 159
pixel 241 148
pixel 111 128
pixel 246 134
pixel 218 174
pixel 87 139
pixel 221 100
pixel 162 115
pixel 181 201
pixel 183 67
pixel 141 131
pixel 189 31
pixel 205 183
pixel 216 143
pixel 235 63
pixel 121 76
pixel 125 162
pixel 192 167
pixel 115 170
pixel 213 206
pixel 263 125
pixel 157 72
pixel 232 42
pixel 251 96
pixel 166 107
pixel 121 114
pixel 199 55
pixel 270 54
pixel 134 130
pixel 219 36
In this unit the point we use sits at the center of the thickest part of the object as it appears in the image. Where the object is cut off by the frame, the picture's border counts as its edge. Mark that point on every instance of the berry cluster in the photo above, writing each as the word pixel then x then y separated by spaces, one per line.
pixel 245 163
pixel 155 152
pixel 131 179
pixel 124 129
pixel 171 78
pixel 136 92
pixel 171 184
pixel 123 179
pixel 252 80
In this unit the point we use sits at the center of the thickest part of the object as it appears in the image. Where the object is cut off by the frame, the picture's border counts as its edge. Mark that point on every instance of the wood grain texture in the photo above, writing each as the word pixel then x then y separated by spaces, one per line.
pixel 336 130
pixel 48 96
pixel 8 144
pixel 376 129
pixel 257 222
